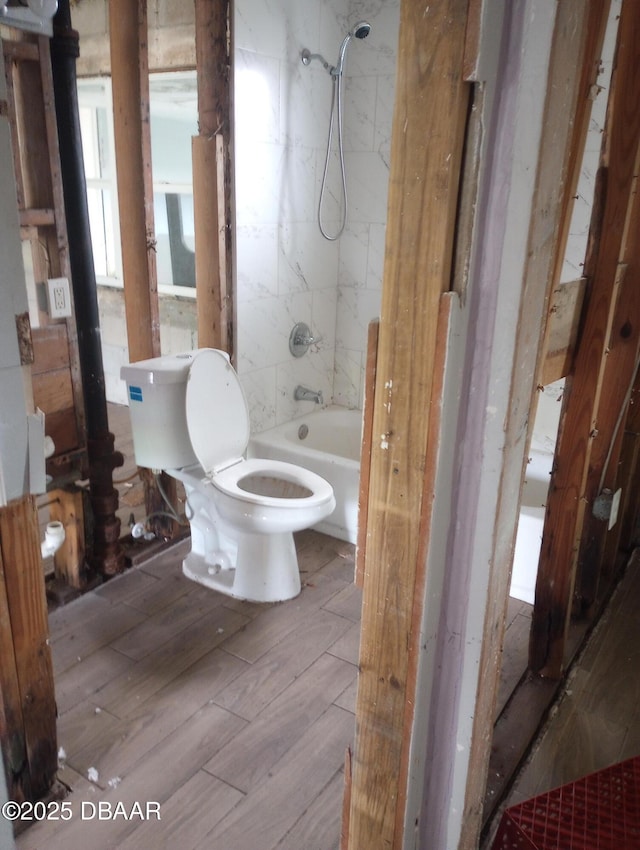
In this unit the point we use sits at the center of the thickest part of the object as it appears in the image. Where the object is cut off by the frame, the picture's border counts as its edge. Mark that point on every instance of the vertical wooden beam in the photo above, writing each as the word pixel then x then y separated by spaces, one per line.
pixel 565 504
pixel 212 297
pixel 130 80
pixel 132 131
pixel 428 136
pixel 67 507
pixel 365 451
pixel 212 175
pixel 12 741
pixel 629 478
pixel 22 577
pixel 620 368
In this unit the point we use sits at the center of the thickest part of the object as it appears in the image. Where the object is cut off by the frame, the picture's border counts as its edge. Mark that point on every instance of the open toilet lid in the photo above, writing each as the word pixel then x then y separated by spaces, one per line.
pixel 216 409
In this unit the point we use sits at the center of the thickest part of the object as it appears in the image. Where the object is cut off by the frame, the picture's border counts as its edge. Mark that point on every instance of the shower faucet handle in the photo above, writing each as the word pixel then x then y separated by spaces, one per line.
pixel 300 339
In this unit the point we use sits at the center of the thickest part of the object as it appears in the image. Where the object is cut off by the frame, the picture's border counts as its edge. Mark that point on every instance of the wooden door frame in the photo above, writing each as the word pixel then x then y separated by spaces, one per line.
pixel 420 558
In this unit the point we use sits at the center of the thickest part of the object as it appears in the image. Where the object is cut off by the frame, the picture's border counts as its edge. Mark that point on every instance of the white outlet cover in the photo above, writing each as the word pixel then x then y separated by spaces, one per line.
pixel 59 297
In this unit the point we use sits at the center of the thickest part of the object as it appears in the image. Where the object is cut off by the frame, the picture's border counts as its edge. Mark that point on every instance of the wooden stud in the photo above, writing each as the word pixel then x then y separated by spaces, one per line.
pixel 428 135
pixel 213 175
pixel 365 451
pixel 67 507
pixel 11 724
pixel 620 368
pixel 130 80
pixel 210 243
pixel 565 505
pixel 24 586
pixel 346 802
pixel 629 476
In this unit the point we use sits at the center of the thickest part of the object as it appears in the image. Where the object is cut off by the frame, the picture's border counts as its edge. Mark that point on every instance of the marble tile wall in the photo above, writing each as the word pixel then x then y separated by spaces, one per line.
pixel 287 272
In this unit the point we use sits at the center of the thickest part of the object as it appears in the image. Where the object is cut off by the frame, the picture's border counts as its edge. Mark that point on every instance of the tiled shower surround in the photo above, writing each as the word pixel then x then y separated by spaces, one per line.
pixel 287 272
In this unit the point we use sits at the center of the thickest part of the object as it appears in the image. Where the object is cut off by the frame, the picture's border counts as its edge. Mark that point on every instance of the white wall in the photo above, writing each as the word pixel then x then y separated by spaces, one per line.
pixel 17 426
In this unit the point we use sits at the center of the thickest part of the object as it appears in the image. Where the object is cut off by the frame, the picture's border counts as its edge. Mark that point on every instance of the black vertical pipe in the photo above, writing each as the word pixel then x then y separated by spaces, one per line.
pixel 108 556
pixel 64 52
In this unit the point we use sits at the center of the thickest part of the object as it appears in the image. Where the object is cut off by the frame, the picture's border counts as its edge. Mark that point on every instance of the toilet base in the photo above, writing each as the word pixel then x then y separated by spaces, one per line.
pixel 266 569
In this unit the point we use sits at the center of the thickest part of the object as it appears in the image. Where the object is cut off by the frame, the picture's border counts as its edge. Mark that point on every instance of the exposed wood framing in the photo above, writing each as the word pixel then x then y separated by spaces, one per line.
pixel 67 506
pixel 130 80
pixel 562 330
pixel 619 375
pixel 567 98
pixel 57 383
pixel 132 131
pixel 624 535
pixel 428 136
pixel 212 296
pixel 27 702
pixel 212 175
pixel 582 408
pixel 365 451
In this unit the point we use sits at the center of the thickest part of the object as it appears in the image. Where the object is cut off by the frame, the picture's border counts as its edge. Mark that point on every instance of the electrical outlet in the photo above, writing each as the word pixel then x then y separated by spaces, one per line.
pixel 59 297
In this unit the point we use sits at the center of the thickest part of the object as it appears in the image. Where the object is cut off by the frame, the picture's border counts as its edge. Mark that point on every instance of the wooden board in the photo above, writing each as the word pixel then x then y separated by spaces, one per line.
pixel 11 723
pixel 68 508
pixel 213 174
pixel 129 64
pixel 50 348
pixel 620 369
pixel 365 451
pixel 213 297
pixel 24 585
pixel 428 135
pixel 562 330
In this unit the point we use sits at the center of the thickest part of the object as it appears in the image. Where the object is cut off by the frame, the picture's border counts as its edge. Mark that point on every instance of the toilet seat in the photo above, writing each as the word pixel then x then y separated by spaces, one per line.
pixel 229 481
pixel 214 394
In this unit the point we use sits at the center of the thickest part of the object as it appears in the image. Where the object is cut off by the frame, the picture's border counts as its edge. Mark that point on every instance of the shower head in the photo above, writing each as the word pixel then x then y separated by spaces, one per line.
pixel 361 30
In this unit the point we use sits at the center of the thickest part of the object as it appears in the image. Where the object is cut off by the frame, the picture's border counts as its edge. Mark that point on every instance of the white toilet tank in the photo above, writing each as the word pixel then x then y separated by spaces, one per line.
pixel 156 390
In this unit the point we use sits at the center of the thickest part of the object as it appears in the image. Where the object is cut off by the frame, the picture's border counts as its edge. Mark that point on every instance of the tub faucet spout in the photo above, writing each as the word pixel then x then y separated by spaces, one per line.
pixel 305 394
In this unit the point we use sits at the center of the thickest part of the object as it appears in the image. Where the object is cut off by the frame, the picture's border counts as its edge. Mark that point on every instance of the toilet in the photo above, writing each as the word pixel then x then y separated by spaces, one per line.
pixel 189 417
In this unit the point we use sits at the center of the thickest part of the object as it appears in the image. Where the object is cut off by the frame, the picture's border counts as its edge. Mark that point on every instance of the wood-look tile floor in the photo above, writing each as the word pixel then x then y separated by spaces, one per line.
pixel 233 716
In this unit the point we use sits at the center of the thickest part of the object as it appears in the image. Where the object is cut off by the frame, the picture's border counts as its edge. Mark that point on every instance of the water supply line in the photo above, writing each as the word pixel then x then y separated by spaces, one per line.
pixel 360 30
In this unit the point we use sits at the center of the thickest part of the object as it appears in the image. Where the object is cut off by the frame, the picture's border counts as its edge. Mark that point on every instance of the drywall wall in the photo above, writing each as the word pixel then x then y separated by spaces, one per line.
pixel 16 409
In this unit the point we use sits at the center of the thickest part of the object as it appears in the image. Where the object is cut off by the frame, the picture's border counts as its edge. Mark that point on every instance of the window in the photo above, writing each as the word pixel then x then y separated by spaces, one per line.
pixel 173 102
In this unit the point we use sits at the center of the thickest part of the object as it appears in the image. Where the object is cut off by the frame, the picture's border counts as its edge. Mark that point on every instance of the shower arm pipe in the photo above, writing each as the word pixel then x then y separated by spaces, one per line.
pixel 307 58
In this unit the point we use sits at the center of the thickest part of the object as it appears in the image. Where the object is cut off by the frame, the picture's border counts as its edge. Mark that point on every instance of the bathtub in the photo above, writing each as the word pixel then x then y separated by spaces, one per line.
pixel 328 443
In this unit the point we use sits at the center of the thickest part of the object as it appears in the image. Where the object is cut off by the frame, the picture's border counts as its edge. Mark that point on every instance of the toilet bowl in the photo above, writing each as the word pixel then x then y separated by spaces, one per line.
pixel 189 417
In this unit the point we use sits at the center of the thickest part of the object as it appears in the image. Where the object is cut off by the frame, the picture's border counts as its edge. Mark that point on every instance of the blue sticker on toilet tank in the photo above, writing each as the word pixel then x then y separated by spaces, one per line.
pixel 135 393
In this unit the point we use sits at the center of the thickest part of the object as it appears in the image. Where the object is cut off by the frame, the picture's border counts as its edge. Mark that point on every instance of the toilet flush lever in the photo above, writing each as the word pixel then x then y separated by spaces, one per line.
pixel 300 339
